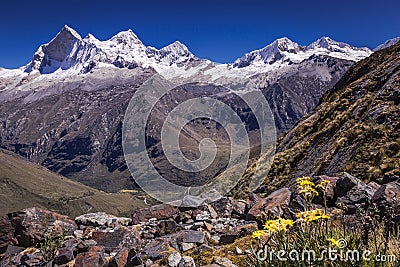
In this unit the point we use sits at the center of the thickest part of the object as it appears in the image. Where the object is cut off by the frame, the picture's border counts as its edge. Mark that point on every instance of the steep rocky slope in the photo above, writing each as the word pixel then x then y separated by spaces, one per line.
pixel 355 127
pixel 24 184
pixel 296 93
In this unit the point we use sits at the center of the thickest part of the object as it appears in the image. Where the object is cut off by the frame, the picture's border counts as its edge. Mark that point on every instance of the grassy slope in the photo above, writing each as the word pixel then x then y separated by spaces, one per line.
pixel 355 128
pixel 24 184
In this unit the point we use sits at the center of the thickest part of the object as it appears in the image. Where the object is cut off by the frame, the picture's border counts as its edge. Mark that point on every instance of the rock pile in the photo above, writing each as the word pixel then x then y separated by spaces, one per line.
pixel 165 235
pixel 98 239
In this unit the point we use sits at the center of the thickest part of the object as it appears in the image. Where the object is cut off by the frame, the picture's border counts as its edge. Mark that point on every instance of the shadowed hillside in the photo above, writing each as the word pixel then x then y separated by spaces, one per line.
pixel 24 184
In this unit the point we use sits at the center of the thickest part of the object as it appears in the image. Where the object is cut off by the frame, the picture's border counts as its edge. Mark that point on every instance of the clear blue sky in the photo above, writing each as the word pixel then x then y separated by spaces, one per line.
pixel 219 30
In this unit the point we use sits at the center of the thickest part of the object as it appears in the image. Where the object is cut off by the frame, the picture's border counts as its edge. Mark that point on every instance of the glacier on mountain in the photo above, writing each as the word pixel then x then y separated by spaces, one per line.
pixel 68 56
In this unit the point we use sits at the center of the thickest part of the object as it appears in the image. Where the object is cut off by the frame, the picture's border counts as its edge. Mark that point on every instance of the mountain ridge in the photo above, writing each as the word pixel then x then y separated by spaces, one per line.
pixel 126 50
pixel 69 57
pixel 67 50
pixel 291 52
pixel 54 55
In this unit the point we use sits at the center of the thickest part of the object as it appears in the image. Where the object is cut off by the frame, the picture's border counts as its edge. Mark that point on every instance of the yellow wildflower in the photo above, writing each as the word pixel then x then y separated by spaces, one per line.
pixel 306 187
pixel 271 225
pixel 324 216
pixel 278 225
pixel 324 184
pixel 313 191
pixel 303 215
pixel 258 233
pixel 304 181
pixel 320 213
pixel 284 224
pixel 309 190
pixel 333 241
pixel 312 215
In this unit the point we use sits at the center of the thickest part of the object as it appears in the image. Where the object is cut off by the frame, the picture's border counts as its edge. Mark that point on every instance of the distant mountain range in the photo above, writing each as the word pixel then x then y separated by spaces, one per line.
pixel 65 108
pixel 68 50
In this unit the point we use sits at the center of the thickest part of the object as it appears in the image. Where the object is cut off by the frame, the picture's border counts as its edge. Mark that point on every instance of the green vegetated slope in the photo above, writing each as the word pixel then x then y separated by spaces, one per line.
pixel 354 128
pixel 24 184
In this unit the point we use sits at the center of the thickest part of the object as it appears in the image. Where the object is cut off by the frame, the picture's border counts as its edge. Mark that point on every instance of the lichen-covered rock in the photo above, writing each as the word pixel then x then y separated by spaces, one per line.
pixel 277 202
pixel 239 209
pixel 187 246
pixel 223 262
pixel 166 227
pixel 160 212
pixel 116 238
pixel 187 261
pixel 64 255
pixel 353 193
pixel 92 259
pixel 387 200
pixel 157 248
pixel 190 236
pixel 28 227
pixel 126 257
pixel 223 207
pixel 174 259
pixel 101 219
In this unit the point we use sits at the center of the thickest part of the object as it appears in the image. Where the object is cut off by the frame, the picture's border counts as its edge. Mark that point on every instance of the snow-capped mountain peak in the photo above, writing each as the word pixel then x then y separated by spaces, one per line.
pixel 324 42
pixel 176 46
pixel 326 45
pixel 127 37
pixel 68 30
pixel 283 51
pixel 175 53
pixel 269 54
pixel 90 38
pixel 284 44
pixel 332 45
pixel 52 56
pixel 68 54
pixel 67 50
